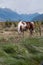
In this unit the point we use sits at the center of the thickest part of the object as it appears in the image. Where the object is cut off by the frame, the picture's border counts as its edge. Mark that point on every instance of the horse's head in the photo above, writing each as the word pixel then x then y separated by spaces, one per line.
pixel 21 26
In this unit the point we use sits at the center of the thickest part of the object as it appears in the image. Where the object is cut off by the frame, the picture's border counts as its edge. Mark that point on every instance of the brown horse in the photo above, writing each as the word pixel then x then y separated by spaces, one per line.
pixel 23 26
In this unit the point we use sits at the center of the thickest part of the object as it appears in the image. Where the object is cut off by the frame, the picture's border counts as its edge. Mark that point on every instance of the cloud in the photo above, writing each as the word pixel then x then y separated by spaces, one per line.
pixel 23 6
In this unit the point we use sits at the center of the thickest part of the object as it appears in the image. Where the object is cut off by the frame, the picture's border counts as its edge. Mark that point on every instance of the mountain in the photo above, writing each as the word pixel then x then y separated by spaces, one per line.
pixel 8 14
pixel 38 18
pixel 28 17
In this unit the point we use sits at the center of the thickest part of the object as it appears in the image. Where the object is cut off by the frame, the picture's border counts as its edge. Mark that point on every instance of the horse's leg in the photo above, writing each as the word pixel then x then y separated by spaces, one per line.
pixel 31 32
pixel 23 34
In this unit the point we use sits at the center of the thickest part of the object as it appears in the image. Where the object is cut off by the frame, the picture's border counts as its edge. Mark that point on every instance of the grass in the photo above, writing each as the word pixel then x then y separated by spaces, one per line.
pixel 29 51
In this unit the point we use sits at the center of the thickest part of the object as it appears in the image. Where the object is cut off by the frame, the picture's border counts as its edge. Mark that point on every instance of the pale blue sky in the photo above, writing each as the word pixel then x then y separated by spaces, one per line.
pixel 23 6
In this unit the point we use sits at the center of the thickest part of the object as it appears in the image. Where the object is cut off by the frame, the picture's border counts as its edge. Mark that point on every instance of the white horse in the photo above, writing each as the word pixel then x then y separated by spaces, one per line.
pixel 23 26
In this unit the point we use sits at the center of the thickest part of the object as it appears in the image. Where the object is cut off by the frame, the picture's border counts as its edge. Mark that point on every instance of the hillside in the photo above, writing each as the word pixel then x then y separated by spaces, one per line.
pixel 38 18
pixel 28 17
pixel 8 14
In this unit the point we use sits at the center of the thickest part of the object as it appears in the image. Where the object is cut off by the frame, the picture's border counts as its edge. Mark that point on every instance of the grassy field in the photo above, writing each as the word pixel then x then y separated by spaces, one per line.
pixel 16 50
pixel 28 51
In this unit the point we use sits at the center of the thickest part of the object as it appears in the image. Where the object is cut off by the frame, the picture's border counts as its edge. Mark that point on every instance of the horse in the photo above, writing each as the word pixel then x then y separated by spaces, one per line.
pixel 24 26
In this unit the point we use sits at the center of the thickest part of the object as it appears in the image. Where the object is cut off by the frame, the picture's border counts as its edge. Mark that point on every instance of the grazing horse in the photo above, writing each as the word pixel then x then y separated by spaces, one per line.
pixel 23 26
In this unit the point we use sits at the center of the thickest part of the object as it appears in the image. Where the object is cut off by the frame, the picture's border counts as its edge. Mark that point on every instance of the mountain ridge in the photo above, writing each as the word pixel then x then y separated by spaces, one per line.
pixel 8 14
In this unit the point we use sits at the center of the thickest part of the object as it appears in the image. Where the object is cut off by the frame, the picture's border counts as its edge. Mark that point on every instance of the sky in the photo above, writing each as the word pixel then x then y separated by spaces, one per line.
pixel 23 6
